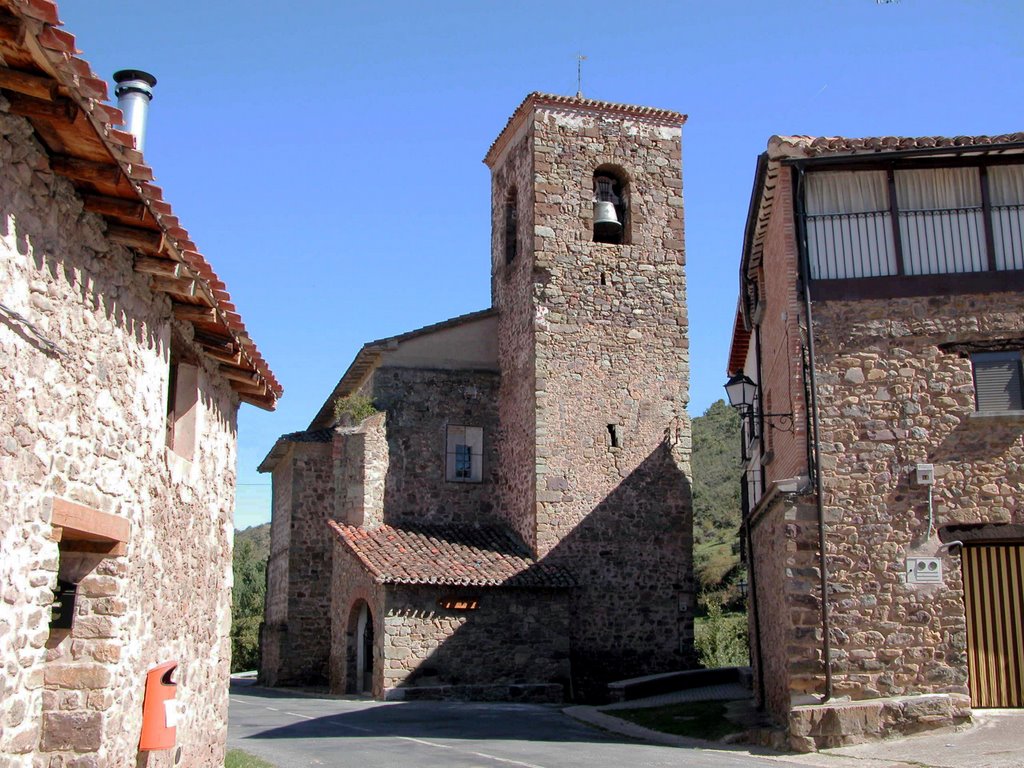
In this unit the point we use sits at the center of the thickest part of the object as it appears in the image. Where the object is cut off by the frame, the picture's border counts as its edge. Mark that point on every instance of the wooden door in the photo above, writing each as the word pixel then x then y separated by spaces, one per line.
pixel 994 600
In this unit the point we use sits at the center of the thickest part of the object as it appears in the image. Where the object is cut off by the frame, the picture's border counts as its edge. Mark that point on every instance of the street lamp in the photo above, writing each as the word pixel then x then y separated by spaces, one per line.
pixel 742 393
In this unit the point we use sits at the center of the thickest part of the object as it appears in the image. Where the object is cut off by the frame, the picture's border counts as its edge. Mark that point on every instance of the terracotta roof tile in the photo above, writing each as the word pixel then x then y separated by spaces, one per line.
pixel 817 146
pixel 89 92
pixel 451 555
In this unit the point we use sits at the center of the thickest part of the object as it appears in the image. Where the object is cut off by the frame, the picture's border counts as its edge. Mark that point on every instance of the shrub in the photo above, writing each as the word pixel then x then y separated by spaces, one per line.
pixel 352 409
pixel 721 638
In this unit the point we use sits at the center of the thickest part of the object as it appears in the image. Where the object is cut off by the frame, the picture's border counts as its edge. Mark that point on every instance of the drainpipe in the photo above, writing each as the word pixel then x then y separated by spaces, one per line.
pixel 134 91
pixel 805 268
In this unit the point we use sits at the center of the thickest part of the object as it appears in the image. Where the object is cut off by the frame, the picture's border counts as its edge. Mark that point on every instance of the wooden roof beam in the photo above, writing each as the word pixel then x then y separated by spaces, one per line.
pixel 149 265
pixel 12 30
pixel 146 240
pixel 174 285
pixel 58 110
pixel 193 314
pixel 31 85
pixel 77 169
pixel 114 206
pixel 241 376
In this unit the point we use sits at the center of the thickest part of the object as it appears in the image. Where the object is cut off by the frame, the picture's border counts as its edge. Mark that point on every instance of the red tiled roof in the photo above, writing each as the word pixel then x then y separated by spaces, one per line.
pixel 451 555
pixel 535 99
pixel 817 146
pixel 56 56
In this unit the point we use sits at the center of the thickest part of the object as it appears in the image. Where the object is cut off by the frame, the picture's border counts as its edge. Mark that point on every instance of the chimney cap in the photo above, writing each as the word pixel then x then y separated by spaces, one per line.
pixel 124 75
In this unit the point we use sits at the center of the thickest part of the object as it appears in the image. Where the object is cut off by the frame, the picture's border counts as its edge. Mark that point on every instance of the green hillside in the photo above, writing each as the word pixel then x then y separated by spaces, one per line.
pixel 716 502
pixel 252 549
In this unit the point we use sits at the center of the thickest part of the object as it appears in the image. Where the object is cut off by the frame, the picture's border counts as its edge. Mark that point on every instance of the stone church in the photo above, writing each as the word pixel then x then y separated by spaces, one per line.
pixel 512 516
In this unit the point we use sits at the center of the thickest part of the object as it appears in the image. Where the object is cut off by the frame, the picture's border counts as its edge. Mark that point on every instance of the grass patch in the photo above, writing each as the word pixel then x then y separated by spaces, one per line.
pixel 236 758
pixel 696 719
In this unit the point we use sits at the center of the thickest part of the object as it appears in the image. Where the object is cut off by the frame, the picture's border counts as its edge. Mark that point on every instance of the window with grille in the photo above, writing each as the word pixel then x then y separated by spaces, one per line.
pixel 464 454
pixel 998 381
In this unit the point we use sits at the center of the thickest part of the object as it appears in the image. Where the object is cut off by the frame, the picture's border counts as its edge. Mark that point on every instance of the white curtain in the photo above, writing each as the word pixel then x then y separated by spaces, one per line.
pixel 849 229
pixel 941 222
pixel 846 192
pixel 1006 192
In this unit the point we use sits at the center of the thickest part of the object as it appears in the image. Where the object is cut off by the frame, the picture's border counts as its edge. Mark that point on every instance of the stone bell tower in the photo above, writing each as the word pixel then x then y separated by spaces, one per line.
pixel 587 274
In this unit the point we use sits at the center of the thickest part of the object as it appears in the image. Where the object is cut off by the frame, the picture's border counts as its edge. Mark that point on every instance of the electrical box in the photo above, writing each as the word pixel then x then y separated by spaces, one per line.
pixel 924 570
pixel 924 474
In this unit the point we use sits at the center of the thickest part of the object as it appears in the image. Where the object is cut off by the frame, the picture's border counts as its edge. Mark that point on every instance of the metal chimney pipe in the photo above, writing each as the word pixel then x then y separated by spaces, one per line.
pixel 134 91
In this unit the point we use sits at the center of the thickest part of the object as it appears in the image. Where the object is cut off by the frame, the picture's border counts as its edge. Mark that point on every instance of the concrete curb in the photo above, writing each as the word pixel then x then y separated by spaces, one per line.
pixel 612 724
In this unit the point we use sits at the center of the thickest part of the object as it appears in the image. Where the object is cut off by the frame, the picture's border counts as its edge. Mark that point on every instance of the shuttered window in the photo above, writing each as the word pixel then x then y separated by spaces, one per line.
pixel 998 381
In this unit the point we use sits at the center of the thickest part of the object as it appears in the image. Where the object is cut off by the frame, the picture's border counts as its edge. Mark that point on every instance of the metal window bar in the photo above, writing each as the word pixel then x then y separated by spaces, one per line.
pixel 463 462
pixel 943 241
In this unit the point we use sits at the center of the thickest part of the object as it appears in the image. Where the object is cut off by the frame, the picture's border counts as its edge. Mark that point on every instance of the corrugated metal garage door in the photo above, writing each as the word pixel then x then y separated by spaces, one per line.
pixel 994 598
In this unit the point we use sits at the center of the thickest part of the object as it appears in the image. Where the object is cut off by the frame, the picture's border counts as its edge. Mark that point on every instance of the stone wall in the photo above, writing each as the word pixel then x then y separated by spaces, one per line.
pixel 361 463
pixel 351 585
pixel 82 412
pixel 420 405
pixel 512 291
pixel 274 629
pixel 891 397
pixel 607 325
pixel 296 635
pixel 515 644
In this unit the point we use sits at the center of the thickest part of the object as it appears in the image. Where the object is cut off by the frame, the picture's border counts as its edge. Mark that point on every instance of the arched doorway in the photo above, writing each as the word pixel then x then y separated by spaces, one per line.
pixel 359 655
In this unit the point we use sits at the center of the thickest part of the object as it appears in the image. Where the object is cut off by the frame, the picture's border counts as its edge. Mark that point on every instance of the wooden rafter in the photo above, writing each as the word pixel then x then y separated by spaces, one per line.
pixel 114 206
pixel 193 314
pixel 60 109
pixel 175 285
pixel 146 240
pixel 31 85
pixel 78 169
pixel 149 265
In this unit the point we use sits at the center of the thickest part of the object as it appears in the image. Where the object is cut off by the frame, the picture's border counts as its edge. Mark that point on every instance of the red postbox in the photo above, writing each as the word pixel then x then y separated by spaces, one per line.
pixel 159 708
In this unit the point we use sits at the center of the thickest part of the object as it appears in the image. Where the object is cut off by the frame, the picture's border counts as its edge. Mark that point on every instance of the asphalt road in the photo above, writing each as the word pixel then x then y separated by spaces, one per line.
pixel 298 731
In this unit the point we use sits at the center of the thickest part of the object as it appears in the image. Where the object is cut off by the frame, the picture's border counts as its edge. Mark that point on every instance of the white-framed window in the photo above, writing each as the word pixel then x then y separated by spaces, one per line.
pixel 998 381
pixel 464 454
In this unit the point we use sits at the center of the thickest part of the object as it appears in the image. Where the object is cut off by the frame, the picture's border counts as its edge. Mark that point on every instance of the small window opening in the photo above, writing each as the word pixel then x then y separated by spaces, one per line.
pixel 611 208
pixel 511 227
pixel 604 278
pixel 464 454
pixel 182 405
pixel 998 381
pixel 613 435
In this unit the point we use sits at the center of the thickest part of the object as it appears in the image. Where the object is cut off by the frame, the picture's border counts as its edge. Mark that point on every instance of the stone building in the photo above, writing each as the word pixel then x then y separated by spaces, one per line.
pixel 879 335
pixel 123 365
pixel 515 519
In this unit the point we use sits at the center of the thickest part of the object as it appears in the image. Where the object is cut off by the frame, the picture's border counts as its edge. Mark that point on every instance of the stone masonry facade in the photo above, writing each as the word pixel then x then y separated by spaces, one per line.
pixel 895 389
pixel 593 342
pixel 85 346
pixel 577 377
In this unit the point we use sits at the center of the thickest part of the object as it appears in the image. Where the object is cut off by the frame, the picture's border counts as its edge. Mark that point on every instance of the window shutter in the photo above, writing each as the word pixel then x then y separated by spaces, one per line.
pixel 998 383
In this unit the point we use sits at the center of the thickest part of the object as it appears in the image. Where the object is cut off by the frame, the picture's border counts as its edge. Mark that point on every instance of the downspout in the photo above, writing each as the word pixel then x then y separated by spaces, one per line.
pixel 805 278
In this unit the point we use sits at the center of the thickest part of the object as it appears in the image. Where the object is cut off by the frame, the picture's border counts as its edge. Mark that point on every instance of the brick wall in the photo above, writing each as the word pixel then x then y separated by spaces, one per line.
pixel 86 422
pixel 782 369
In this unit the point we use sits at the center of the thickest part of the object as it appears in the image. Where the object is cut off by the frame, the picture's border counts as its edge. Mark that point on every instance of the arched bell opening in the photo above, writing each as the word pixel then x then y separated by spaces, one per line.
pixel 611 206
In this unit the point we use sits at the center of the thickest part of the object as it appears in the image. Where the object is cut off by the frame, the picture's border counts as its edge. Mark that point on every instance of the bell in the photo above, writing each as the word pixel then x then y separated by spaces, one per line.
pixel 606 220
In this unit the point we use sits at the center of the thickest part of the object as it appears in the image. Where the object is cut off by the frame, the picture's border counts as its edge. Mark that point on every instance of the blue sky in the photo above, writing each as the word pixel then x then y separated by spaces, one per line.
pixel 326 156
